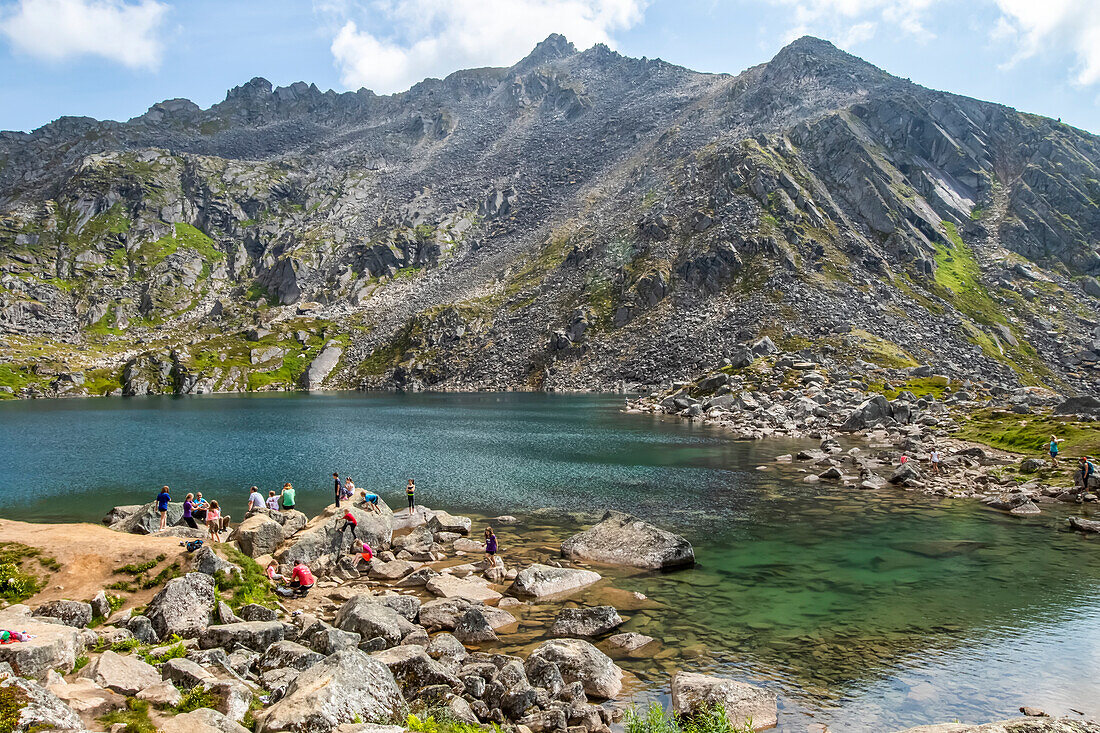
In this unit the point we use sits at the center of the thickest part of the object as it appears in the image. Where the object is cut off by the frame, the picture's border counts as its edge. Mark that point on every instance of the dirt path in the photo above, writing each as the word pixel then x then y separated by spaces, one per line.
pixel 89 555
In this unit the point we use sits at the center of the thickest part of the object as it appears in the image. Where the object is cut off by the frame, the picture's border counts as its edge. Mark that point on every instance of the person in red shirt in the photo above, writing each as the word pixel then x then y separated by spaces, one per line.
pixel 301 580
pixel 349 521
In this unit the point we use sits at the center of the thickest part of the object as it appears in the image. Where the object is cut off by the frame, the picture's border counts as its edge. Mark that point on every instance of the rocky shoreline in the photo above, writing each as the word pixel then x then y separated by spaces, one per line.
pixel 761 392
pixel 416 631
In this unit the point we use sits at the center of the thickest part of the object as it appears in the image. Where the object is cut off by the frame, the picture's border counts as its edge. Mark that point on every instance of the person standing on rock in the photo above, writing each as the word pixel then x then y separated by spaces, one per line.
pixel 1053 448
pixel 490 547
pixel 336 491
pixel 934 457
pixel 162 506
pixel 188 510
pixel 349 521
pixel 214 521
pixel 410 492
pixel 287 497
pixel 1085 473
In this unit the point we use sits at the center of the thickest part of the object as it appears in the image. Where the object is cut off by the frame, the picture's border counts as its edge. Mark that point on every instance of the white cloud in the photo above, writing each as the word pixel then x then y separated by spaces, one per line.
pixel 113 29
pixel 851 22
pixel 1054 25
pixel 388 45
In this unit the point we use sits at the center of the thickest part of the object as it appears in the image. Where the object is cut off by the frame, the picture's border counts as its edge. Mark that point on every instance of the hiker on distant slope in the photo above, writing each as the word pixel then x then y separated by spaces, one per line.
pixel 1053 448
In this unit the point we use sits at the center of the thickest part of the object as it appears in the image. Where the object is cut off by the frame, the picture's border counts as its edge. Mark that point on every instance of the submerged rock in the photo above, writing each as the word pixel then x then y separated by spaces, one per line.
pixel 620 539
pixel 593 621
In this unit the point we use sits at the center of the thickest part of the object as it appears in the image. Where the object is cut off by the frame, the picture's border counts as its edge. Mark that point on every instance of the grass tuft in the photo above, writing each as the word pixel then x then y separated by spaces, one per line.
pixel 135 717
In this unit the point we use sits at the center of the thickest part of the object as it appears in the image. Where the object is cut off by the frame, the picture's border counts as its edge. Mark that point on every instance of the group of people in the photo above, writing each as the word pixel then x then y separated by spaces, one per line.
pixel 195 509
pixel 345 491
pixel 1086 469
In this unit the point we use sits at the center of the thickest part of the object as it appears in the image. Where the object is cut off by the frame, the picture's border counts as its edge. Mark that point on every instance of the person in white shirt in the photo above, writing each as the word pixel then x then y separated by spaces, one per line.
pixel 272 501
pixel 255 501
pixel 935 458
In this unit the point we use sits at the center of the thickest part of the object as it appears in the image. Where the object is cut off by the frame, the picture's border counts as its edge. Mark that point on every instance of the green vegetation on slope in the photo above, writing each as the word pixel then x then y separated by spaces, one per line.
pixel 1031 433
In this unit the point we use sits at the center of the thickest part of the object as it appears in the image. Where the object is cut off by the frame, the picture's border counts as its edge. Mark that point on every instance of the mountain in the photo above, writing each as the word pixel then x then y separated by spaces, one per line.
pixel 578 220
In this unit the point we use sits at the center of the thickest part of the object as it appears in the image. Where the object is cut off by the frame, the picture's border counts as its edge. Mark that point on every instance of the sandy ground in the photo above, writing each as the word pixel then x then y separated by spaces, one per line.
pixel 89 555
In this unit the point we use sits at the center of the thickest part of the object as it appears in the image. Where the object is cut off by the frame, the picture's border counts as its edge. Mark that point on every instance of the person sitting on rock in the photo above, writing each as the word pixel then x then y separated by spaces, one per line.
pixel 364 551
pixel 272 501
pixel 272 571
pixel 287 497
pixel 370 502
pixel 200 507
pixel 255 500
pixel 349 489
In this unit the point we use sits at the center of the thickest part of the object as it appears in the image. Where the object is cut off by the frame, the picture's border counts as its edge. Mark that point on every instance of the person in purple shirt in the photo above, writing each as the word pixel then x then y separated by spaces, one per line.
pixel 188 508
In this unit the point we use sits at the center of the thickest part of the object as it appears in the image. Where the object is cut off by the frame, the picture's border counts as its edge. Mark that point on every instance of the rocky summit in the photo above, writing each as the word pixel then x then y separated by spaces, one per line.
pixel 580 220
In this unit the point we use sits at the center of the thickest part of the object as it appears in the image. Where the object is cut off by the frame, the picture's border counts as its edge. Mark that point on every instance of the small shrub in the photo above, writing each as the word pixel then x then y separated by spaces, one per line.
pixel 140 567
pixel 12 700
pixel 655 719
pixel 135 716
pixel 194 699
pixel 174 652
pixel 125 646
pixel 438 721
pixel 81 663
pixel 115 602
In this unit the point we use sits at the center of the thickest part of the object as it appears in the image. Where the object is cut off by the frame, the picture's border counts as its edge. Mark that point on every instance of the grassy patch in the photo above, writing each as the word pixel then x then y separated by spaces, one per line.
pixel 194 699
pixel 191 238
pixel 251 586
pixel 12 702
pixel 135 717
pixel 125 646
pixel 959 280
pixel 175 651
pixel 655 719
pixel 439 722
pixel 138 568
pixel 1030 434
pixel 16 377
pixel 407 273
pixel 18 577
pixel 880 351
pixel 81 663
pixel 920 386
pixel 549 258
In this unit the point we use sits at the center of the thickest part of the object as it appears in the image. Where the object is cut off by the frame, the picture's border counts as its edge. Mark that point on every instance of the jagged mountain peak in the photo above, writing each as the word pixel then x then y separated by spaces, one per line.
pixel 555 46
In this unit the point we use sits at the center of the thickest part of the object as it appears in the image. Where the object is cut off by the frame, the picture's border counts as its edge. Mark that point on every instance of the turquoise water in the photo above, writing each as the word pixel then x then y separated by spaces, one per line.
pixel 868 611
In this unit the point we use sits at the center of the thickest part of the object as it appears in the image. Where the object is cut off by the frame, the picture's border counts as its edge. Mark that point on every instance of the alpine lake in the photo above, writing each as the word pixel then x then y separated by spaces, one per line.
pixel 865 610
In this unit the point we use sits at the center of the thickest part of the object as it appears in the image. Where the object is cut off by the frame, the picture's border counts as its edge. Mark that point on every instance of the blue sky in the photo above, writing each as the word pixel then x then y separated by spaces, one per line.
pixel 112 59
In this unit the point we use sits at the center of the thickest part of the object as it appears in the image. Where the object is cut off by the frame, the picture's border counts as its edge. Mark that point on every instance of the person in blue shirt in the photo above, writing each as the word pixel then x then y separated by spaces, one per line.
pixel 162 506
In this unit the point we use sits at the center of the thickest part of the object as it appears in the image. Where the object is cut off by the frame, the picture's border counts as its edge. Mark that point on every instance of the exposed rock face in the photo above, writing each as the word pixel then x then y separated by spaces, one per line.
pixel 539 581
pixel 249 227
pixel 320 537
pixel 620 539
pixel 365 616
pixel 146 519
pixel 203 720
pixel 345 687
pixel 71 613
pixel 744 703
pixel 581 662
pixel 257 635
pixel 52 646
pixel 184 606
pixel 414 669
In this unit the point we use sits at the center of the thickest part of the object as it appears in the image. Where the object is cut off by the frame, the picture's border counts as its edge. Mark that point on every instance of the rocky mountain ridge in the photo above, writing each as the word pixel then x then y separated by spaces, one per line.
pixel 580 220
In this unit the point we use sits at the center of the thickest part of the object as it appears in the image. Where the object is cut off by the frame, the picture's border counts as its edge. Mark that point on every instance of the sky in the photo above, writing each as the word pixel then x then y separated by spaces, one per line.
pixel 113 59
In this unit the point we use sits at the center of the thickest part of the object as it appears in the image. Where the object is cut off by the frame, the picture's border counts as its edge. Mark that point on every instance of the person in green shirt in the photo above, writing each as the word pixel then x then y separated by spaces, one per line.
pixel 287 497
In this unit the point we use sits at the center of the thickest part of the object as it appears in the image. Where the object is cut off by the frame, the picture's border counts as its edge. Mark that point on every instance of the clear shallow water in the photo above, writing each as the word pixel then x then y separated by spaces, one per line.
pixel 867 611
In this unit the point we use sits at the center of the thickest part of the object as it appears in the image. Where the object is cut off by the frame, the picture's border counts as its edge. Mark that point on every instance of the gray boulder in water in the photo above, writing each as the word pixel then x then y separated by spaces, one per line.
pixel 538 581
pixel 743 703
pixel 620 539
pixel 343 688
pixel 592 621
pixel 579 661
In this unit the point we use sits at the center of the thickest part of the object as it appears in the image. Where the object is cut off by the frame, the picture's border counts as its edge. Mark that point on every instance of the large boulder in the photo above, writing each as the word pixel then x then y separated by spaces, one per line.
pixel 414 669
pixel 256 635
pixel 118 513
pixel 443 522
pixel 259 535
pixel 186 673
pixel 346 687
pixel 445 613
pixel 744 704
pixel 146 519
pixel 321 536
pixel 287 654
pixel 184 606
pixel 203 720
pixel 206 561
pixel 538 581
pixel 579 661
pixel 1084 525
pixel 125 674
pixel 51 646
pixel 86 698
pixel 620 539
pixel 474 628
pixel 872 411
pixel 365 616
pixel 592 621
pixel 30 706
pixel 472 589
pixel 77 614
